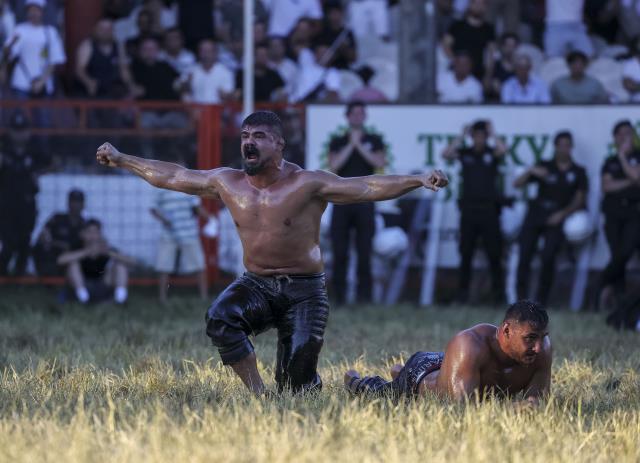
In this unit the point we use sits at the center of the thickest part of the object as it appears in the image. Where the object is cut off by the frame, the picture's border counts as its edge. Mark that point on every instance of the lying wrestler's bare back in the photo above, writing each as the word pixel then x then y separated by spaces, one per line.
pixel 277 210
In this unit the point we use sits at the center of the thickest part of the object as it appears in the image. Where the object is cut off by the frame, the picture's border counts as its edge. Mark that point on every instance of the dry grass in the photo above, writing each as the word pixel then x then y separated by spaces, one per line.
pixel 143 384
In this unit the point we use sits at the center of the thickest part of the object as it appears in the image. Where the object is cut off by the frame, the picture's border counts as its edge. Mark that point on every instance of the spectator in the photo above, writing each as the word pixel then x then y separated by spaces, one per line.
pixel 259 32
pixel 154 79
pixel 601 17
pixel 7 21
pixel 174 52
pixel 163 14
pixel 316 81
pixel 368 93
pixel 101 66
pixel 505 14
pixel 474 36
pixel 20 162
pixel 301 36
pixel 146 30
pixel 565 29
pixel 209 81
pixel 620 178
pixel 35 54
pixel 459 85
pixel 631 73
pixel 523 87
pixel 278 61
pixel 195 20
pixel 180 239
pixel 61 233
pixel 96 271
pixel 285 14
pixel 369 16
pixel 629 18
pixel 444 16
pixel 480 204
pixel 577 87
pixel 353 154
pixel 267 83
pixel 562 190
pixel 334 29
pixel 503 67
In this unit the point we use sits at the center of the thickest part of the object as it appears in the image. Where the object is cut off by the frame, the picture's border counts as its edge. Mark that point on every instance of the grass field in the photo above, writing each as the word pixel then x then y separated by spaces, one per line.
pixel 142 383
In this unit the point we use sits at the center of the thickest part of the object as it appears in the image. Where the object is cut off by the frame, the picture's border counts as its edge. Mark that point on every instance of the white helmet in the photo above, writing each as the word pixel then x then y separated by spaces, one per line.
pixel 389 242
pixel 577 227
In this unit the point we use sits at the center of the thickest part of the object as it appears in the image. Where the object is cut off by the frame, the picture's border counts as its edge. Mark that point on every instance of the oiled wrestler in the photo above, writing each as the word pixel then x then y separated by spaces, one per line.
pixel 506 360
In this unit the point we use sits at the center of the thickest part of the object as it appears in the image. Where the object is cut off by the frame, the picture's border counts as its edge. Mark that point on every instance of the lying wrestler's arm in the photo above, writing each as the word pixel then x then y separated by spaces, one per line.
pixel 163 174
pixel 459 376
pixel 340 190
pixel 540 384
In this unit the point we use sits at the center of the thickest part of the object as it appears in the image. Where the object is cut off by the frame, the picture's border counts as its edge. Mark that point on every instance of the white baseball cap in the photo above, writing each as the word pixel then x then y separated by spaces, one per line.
pixel 39 3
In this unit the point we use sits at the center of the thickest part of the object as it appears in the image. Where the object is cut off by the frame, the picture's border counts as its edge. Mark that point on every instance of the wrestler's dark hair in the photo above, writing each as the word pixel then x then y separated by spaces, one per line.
pixel 267 118
pixel 563 134
pixel 528 311
pixel 621 124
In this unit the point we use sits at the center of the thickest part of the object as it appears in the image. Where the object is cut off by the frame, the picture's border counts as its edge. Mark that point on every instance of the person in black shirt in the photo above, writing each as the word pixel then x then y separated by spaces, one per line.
pixel 96 269
pixel 353 154
pixel 144 21
pixel 267 83
pixel 474 36
pixel 334 28
pixel 480 203
pixel 60 233
pixel 621 209
pixel 154 78
pixel 20 162
pixel 503 67
pixel 562 190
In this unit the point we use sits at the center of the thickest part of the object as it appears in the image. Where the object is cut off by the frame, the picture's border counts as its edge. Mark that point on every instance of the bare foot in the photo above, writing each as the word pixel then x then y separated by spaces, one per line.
pixel 395 370
pixel 351 378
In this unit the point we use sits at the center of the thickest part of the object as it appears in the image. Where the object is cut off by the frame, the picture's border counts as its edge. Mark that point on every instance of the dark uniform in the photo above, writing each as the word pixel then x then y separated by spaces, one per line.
pixel 621 210
pixel 18 189
pixel 480 217
pixel 358 217
pixel 555 192
pixel 65 235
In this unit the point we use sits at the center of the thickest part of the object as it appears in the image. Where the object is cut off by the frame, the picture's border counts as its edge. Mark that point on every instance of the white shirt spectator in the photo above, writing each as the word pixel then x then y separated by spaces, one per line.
pixel 536 91
pixel 450 90
pixel 36 48
pixel 207 85
pixel 564 11
pixel 181 63
pixel 631 70
pixel 285 14
pixel 311 75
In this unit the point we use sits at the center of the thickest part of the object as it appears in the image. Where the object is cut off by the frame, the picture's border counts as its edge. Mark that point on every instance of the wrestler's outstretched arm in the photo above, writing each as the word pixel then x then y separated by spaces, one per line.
pixel 342 190
pixel 162 174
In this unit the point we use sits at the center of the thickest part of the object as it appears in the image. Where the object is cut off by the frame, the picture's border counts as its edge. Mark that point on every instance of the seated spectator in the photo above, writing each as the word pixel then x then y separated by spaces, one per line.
pixel 96 271
pixel 267 83
pixel 154 79
pixel 174 52
pixel 285 14
pixel 146 30
pixel 316 81
pixel 334 28
pixel 259 32
pixel 35 50
pixel 369 17
pixel 565 29
pixel 368 93
pixel 61 233
pixel 523 87
pixel 180 239
pixel 503 67
pixel 301 36
pixel 21 161
pixel 278 61
pixel 209 81
pixel 578 87
pixel 163 14
pixel 472 35
pixel 101 67
pixel 631 73
pixel 459 85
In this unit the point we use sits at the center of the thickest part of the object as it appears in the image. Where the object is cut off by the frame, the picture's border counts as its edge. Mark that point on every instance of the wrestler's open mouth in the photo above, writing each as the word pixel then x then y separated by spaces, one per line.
pixel 251 154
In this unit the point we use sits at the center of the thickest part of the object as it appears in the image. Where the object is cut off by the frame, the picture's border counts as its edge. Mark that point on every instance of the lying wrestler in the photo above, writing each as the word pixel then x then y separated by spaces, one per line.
pixel 276 207
pixel 484 359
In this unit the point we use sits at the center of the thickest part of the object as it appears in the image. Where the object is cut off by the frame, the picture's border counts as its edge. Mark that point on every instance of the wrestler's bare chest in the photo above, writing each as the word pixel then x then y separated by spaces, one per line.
pixel 507 380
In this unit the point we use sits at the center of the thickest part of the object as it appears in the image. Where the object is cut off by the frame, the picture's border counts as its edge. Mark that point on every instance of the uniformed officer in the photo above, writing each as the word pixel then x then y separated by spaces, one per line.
pixel 562 190
pixel 20 163
pixel 480 203
pixel 355 153
pixel 620 178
